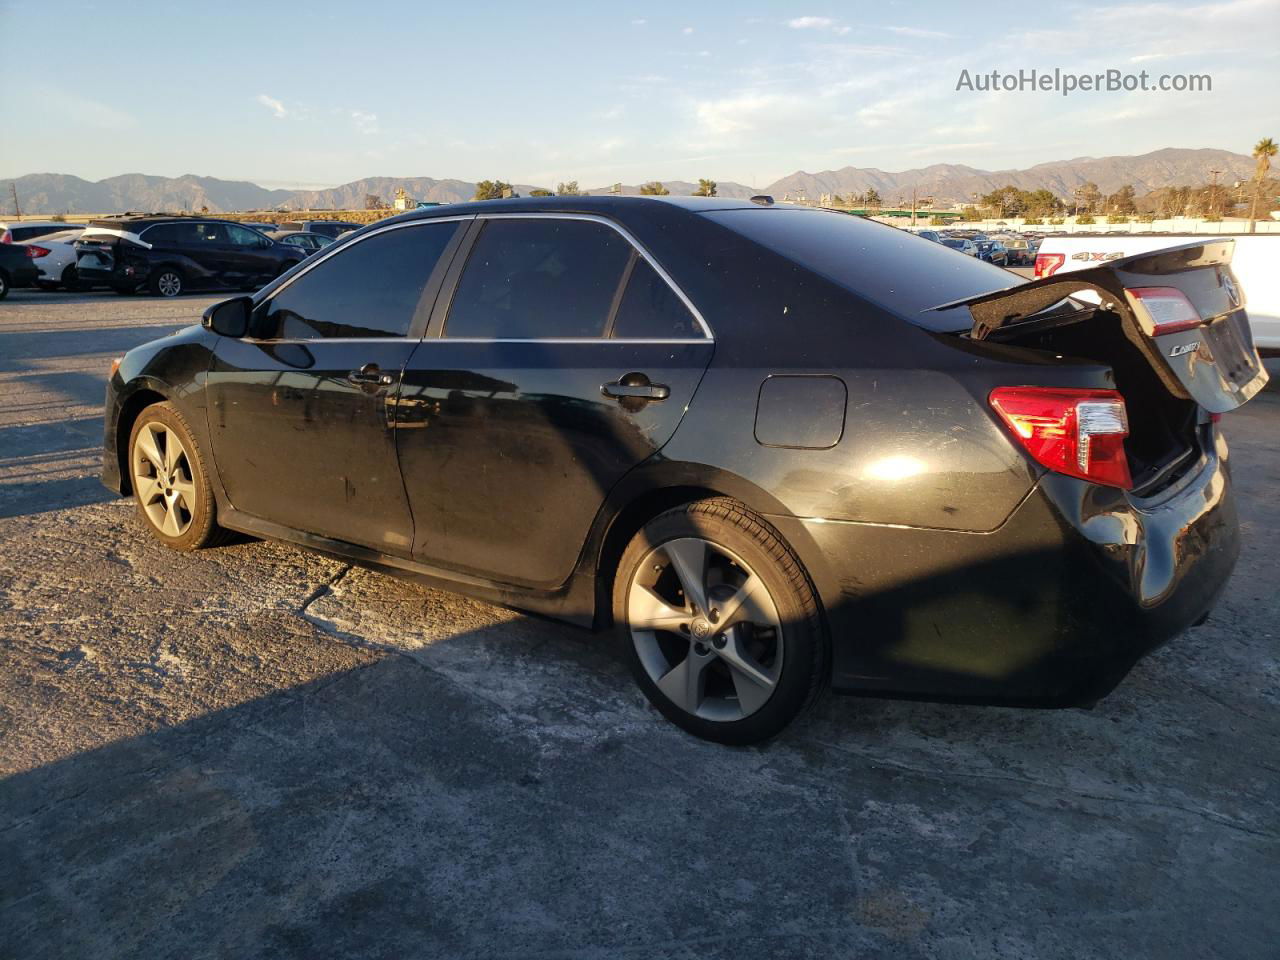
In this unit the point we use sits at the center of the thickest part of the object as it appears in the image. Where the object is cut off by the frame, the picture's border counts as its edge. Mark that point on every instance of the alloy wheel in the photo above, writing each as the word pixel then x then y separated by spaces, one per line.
pixel 163 480
pixel 705 629
pixel 169 284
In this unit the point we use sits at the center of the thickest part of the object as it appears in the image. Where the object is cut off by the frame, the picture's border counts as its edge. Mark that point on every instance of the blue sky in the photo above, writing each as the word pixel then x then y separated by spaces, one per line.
pixel 320 93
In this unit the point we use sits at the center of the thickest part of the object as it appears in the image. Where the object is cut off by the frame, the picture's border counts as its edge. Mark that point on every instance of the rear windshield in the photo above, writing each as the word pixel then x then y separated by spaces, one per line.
pixel 903 273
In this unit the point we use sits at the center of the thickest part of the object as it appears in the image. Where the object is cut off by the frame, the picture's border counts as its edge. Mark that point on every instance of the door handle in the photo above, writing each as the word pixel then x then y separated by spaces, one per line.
pixel 635 387
pixel 370 375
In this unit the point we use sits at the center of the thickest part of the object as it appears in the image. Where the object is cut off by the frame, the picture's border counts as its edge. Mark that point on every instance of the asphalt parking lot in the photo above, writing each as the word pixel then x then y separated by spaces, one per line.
pixel 259 752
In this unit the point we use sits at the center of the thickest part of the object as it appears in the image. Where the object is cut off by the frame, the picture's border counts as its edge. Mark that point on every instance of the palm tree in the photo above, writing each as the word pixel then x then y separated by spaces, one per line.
pixel 1263 151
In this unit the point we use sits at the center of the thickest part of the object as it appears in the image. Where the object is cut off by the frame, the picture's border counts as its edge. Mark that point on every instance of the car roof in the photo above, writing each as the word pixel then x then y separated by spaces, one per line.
pixel 140 221
pixel 609 205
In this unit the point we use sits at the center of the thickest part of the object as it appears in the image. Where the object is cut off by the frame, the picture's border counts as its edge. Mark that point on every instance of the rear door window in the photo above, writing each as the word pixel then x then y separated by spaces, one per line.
pixel 539 278
pixel 163 234
pixel 651 310
pixel 370 289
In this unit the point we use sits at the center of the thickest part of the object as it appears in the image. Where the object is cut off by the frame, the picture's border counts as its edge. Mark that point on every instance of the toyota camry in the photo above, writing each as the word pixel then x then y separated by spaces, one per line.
pixel 774 450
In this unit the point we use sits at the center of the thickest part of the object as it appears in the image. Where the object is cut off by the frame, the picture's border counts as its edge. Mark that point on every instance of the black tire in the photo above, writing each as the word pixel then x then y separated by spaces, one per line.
pixel 202 529
pixel 168 282
pixel 4 284
pixel 71 279
pixel 728 525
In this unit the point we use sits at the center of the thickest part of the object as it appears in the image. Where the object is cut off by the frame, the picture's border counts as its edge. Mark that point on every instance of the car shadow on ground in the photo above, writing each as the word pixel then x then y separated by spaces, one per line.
pixel 492 785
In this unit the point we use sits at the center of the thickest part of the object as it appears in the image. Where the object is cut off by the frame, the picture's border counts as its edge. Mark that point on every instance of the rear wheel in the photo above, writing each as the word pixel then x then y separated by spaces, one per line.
pixel 71 279
pixel 4 285
pixel 167 283
pixel 170 483
pixel 722 625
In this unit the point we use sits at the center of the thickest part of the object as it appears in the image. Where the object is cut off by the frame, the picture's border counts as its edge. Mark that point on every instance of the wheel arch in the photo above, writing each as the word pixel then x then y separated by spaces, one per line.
pixel 130 409
pixel 648 493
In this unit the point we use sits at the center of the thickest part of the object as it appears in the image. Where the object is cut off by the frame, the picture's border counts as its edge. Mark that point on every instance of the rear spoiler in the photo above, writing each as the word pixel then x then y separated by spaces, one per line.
pixel 90 232
pixel 1213 361
pixel 991 311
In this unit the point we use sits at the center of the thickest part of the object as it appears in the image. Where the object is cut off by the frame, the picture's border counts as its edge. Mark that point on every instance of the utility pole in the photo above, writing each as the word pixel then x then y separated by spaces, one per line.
pixel 13 189
pixel 913 206
pixel 1213 190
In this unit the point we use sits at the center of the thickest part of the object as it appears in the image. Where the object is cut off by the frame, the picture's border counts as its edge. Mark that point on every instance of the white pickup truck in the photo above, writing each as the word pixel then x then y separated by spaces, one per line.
pixel 1255 263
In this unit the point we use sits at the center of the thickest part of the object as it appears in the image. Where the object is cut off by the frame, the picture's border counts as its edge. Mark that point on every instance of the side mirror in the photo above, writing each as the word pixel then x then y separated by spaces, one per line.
pixel 230 318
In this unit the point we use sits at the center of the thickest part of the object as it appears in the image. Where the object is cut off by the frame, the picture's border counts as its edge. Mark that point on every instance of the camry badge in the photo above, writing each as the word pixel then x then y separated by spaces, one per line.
pixel 1184 348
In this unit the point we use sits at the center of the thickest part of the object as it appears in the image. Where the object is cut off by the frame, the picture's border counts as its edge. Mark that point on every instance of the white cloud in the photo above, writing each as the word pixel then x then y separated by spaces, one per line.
pixel 639 22
pixel 736 114
pixel 817 23
pixel 365 122
pixel 275 106
pixel 922 34
pixel 811 23
pixel 687 30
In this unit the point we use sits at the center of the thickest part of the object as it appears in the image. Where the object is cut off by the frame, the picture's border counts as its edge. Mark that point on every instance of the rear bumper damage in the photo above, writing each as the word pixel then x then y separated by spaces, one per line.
pixel 1052 609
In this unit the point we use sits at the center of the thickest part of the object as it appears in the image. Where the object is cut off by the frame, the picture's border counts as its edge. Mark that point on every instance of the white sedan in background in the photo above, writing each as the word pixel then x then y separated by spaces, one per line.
pixel 57 265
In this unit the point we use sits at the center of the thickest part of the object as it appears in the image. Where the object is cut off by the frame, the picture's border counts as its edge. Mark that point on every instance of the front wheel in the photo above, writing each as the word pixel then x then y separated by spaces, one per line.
pixel 4 285
pixel 721 624
pixel 167 283
pixel 171 488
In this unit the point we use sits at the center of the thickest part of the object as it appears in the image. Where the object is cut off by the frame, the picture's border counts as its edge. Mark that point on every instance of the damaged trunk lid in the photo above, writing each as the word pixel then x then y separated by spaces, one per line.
pixel 1181 308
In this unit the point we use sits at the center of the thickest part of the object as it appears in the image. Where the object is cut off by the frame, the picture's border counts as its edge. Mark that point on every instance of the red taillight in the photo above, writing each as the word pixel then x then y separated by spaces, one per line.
pixel 1168 309
pixel 6 237
pixel 35 253
pixel 1048 263
pixel 1077 432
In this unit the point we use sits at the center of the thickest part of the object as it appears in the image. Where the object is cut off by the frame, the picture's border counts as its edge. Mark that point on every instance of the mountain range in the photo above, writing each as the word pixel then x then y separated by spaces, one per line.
pixel 52 193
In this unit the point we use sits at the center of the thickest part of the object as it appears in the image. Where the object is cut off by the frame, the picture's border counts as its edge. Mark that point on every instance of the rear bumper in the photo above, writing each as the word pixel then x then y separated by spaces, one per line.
pixel 123 278
pixel 1052 609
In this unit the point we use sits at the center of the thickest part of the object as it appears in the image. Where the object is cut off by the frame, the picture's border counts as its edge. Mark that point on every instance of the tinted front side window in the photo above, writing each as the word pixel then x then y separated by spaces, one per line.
pixel 370 289
pixel 882 264
pixel 650 309
pixel 539 278
pixel 243 236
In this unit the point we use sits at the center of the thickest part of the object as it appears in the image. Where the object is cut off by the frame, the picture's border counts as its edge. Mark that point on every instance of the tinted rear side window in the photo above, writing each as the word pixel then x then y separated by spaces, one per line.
pixel 889 267
pixel 651 310
pixel 370 289
pixel 538 278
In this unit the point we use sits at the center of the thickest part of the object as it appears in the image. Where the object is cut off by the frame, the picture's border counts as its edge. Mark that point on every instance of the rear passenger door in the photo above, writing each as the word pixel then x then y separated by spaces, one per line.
pixel 558 358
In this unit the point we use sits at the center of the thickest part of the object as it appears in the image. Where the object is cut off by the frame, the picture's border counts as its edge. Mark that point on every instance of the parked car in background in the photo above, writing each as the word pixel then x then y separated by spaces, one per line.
pixel 962 244
pixel 1019 251
pixel 930 235
pixel 19 231
pixel 330 228
pixel 1253 263
pixel 170 255
pixel 302 239
pixel 55 259
pixel 17 267
pixel 993 251
pixel 929 481
pixel 260 227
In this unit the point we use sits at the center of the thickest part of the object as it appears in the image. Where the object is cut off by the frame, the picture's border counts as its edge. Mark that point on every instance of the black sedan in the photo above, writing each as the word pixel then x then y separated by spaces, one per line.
pixel 17 267
pixel 771 465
